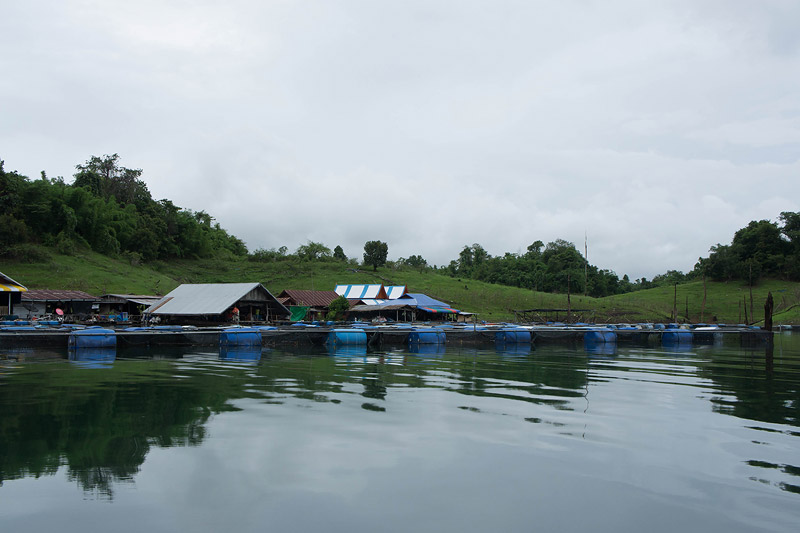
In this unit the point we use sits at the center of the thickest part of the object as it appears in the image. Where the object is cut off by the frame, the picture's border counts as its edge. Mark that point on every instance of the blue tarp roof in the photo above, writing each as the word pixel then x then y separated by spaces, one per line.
pixel 418 300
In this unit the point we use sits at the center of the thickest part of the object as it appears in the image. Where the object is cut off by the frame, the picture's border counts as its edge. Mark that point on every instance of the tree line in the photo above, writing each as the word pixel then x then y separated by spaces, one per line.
pixel 107 208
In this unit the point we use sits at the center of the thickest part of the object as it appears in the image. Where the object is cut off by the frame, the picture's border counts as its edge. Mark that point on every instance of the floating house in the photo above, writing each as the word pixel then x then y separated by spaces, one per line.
pixel 12 294
pixel 75 305
pixel 307 305
pixel 396 303
pixel 124 307
pixel 206 303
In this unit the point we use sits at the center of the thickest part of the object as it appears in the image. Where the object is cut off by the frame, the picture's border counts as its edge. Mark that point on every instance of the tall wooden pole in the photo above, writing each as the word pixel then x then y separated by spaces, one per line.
pixel 703 307
pixel 585 264
pixel 768 307
pixel 569 304
pixel 752 315
pixel 746 318
pixel 675 305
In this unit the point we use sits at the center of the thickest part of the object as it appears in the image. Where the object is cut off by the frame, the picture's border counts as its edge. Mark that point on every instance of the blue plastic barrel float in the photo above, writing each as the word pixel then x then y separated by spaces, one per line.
pixel 512 336
pixel 240 337
pixel 427 336
pixel 600 336
pixel 92 338
pixel 671 337
pixel 347 337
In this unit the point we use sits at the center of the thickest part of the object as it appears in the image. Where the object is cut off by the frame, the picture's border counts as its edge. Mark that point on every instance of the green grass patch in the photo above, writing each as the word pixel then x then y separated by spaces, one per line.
pixel 98 274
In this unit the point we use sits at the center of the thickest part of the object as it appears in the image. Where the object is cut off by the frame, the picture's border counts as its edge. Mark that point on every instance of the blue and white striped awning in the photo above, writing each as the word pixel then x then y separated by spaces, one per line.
pixel 396 291
pixel 360 292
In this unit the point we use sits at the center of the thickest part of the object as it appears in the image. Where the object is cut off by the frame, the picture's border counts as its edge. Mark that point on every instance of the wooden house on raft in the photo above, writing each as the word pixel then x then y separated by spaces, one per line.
pixel 217 303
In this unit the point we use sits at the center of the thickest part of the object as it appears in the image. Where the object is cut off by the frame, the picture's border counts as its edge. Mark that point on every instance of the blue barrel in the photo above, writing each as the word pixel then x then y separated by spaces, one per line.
pixel 600 336
pixel 240 337
pixel 676 336
pixel 427 336
pixel 512 336
pixel 92 338
pixel 347 337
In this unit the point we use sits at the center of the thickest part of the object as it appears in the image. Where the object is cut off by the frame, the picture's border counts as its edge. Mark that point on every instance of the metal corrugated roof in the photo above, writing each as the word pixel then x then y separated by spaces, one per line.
pixel 312 298
pixel 48 295
pixel 204 298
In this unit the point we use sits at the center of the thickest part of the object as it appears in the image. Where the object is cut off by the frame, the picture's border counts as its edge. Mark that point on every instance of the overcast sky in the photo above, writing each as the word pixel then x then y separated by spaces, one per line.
pixel 655 128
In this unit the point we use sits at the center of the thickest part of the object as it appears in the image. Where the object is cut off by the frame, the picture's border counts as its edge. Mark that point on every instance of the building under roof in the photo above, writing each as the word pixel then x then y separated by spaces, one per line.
pixel 305 304
pixel 13 292
pixel 413 305
pixel 131 304
pixel 309 298
pixel 214 302
pixel 41 302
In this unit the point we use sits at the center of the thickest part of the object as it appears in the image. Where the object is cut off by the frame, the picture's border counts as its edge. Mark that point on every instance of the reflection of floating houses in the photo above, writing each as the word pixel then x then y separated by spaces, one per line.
pixel 396 303
pixel 307 305
pixel 214 302
pixel 13 292
pixel 77 305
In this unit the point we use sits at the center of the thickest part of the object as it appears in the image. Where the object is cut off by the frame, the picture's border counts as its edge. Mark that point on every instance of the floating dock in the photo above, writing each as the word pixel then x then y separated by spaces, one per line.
pixel 378 336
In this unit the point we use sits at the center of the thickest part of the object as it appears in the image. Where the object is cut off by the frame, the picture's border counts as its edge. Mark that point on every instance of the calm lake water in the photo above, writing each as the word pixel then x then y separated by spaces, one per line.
pixel 705 438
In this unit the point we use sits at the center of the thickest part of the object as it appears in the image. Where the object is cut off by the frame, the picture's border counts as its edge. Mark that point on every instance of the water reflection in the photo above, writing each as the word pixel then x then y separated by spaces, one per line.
pixel 429 350
pixel 646 408
pixel 600 348
pixel 249 354
pixel 94 357
pixel 347 350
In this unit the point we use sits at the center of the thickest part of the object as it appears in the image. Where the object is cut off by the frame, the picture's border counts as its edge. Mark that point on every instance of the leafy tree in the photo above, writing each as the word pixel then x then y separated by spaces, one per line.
pixel 311 251
pixel 375 253
pixel 762 242
pixel 338 254
pixel 338 308
pixel 417 262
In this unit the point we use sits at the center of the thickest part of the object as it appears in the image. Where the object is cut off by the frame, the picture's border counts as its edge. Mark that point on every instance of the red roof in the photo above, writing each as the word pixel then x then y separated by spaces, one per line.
pixel 47 295
pixel 310 298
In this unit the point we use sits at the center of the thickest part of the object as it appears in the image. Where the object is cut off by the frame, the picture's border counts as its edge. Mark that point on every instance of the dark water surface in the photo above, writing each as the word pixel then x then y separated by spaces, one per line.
pixel 705 438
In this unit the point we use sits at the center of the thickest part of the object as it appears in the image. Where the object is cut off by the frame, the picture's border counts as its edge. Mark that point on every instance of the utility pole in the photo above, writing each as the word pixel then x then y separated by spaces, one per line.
pixel 675 305
pixel 586 263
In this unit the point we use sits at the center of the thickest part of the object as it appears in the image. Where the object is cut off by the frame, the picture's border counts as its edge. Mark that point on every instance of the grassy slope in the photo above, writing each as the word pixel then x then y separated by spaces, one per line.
pixel 97 274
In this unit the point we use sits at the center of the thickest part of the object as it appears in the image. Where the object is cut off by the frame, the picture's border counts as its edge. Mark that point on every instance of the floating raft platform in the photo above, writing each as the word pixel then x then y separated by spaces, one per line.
pixel 377 336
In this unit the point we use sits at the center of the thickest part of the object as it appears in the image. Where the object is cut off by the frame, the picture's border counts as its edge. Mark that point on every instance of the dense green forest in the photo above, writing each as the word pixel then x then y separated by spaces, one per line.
pixel 108 209
pixel 761 249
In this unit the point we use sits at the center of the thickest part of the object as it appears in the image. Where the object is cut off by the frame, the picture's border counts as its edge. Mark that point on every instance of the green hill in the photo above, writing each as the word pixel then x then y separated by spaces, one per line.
pixel 99 274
